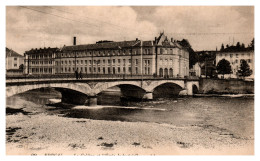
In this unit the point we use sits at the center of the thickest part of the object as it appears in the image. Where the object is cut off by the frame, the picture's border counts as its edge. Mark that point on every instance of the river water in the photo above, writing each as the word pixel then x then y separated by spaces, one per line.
pixel 235 115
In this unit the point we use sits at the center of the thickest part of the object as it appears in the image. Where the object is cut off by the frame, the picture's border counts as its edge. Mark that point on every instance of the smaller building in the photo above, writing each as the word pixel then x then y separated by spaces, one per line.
pixel 235 57
pixel 14 63
pixel 196 70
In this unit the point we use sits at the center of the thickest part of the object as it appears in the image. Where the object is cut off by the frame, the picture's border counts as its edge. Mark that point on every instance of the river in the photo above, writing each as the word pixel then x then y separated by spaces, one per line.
pixel 233 115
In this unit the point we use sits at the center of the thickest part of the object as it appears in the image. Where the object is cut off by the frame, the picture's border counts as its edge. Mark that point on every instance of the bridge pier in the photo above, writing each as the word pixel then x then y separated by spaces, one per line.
pixel 92 101
pixel 148 96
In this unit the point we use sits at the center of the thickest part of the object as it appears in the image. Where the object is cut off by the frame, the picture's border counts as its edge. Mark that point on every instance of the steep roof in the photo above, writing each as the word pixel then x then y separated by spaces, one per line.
pixel 11 53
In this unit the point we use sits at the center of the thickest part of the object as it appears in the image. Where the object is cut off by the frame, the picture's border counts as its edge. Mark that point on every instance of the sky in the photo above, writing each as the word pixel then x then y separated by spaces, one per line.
pixel 205 27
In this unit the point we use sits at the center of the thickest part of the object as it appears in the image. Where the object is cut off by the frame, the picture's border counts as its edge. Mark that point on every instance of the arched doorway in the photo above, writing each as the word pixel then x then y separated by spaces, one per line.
pixel 171 73
pixel 161 72
pixel 194 89
pixel 166 73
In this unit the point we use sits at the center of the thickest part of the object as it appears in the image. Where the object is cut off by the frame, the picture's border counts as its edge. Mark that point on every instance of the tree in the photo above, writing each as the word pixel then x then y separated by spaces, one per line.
pixel 222 47
pixel 238 45
pixel 224 67
pixel 245 70
pixel 21 67
pixel 243 46
pixel 227 46
pixel 252 44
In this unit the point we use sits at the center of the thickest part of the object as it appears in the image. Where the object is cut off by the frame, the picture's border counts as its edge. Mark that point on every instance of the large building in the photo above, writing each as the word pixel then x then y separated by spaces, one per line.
pixel 235 57
pixel 14 62
pixel 161 57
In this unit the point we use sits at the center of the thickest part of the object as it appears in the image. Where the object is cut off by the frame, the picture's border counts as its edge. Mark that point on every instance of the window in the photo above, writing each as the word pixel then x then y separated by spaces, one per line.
pixel 104 70
pixel 249 60
pixel 86 62
pixel 124 69
pixel 86 69
pixel 89 61
pixel 98 69
pixel 94 69
pixel 15 58
pixel 81 61
pixel 237 55
pixel 161 50
pixel 104 61
pixel 124 61
pixel 136 70
pixel 114 61
pixel 108 61
pixel 114 70
pixel 90 69
pixel 77 61
pixel 236 61
pixel 118 69
pixel 129 69
pixel 231 55
pixel 61 62
pixel 15 65
pixel 129 60
pixel 119 61
pixel 136 61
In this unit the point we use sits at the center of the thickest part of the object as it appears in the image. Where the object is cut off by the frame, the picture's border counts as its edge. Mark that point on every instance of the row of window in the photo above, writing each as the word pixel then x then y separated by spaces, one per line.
pixel 41 62
pixel 247 60
pixel 41 70
pixel 231 55
pixel 39 56
pixel 108 70
pixel 114 61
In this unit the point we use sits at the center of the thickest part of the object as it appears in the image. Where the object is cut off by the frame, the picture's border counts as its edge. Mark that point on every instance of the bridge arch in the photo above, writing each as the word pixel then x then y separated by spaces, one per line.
pixel 155 84
pixel 103 86
pixel 80 87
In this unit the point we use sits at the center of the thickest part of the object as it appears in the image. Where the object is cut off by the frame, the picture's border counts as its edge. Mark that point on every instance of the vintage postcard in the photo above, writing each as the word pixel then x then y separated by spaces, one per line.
pixel 129 80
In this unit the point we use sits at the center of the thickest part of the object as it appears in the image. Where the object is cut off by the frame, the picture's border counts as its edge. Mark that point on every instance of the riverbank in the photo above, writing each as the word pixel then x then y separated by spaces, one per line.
pixel 51 134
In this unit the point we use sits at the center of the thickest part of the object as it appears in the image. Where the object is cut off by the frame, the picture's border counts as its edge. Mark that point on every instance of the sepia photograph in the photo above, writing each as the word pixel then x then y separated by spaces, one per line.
pixel 129 80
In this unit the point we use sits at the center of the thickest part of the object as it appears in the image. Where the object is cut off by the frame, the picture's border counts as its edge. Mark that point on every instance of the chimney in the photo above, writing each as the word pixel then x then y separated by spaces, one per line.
pixel 74 40
pixel 171 39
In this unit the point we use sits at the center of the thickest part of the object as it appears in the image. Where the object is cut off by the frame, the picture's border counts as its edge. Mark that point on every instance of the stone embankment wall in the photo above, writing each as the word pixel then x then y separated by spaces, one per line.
pixel 226 86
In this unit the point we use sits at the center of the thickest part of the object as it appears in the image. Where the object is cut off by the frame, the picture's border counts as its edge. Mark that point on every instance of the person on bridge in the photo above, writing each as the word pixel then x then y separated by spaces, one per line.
pixel 77 74
pixel 80 75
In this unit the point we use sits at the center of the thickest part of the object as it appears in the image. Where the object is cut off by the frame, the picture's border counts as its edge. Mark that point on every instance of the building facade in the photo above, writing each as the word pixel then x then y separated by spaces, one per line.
pixel 158 57
pixel 40 61
pixel 14 62
pixel 234 58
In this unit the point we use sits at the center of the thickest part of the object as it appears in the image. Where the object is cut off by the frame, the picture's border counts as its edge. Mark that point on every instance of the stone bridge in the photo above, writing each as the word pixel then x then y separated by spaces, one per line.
pixel 89 89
